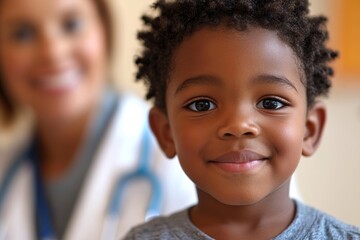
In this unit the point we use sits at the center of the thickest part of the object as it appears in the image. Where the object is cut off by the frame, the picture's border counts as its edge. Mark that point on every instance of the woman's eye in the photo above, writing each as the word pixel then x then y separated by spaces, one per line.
pixel 201 105
pixel 23 34
pixel 271 104
pixel 73 25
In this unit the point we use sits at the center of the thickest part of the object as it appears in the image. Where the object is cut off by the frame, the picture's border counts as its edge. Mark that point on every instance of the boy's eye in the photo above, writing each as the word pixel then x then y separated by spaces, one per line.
pixel 23 34
pixel 271 104
pixel 201 105
pixel 72 24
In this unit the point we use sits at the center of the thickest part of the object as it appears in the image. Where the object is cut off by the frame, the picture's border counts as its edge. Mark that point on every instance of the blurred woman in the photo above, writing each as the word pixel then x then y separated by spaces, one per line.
pixel 71 180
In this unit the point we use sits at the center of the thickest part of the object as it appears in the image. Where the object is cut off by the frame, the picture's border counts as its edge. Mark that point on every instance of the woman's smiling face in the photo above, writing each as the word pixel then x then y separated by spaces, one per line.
pixel 237 111
pixel 52 55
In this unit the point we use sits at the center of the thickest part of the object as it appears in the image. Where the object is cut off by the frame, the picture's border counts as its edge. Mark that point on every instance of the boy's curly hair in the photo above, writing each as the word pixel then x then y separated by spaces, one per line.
pixel 180 18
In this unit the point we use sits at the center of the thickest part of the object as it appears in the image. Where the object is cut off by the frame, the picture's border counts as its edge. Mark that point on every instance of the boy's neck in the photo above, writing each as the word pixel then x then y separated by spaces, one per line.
pixel 262 220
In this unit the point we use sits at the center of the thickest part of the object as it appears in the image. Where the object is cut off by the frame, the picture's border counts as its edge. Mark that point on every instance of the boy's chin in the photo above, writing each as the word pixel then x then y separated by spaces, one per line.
pixel 251 198
pixel 242 201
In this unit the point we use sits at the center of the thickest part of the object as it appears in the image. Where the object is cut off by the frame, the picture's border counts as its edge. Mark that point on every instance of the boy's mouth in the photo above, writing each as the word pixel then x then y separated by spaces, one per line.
pixel 239 161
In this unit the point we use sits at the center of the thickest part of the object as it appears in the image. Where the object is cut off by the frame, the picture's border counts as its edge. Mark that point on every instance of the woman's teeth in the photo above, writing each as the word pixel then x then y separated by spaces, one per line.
pixel 60 81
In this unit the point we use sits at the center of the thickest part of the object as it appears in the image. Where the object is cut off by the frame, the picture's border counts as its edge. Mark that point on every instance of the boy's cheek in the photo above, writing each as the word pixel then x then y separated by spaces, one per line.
pixel 190 144
pixel 287 141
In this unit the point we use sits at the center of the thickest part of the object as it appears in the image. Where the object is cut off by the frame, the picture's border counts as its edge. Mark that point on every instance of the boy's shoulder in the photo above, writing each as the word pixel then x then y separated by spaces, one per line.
pixel 310 223
pixel 175 226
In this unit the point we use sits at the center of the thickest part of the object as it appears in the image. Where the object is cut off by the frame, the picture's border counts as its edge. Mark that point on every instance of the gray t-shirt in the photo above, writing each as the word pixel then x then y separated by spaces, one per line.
pixel 308 224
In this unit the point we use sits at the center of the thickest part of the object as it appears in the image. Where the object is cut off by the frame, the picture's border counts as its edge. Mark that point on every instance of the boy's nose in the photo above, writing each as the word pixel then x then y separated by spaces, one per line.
pixel 237 124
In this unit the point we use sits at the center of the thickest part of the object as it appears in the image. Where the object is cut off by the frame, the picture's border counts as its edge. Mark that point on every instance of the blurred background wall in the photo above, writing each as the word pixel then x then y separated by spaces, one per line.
pixel 330 179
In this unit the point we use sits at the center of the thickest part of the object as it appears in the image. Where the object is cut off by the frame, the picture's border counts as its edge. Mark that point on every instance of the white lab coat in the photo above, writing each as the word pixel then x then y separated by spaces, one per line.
pixel 118 154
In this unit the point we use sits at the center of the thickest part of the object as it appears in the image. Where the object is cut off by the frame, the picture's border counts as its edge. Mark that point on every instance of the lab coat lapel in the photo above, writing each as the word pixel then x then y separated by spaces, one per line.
pixel 18 207
pixel 117 154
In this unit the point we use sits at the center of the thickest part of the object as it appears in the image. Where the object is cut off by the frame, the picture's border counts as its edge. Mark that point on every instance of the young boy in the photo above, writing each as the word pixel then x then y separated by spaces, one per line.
pixel 236 86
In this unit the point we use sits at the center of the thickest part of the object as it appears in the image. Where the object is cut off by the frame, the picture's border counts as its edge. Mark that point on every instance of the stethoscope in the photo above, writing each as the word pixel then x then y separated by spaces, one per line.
pixel 142 171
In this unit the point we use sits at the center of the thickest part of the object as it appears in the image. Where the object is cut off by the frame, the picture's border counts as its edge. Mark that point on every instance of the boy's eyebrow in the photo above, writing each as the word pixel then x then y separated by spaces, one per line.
pixel 198 80
pixel 268 78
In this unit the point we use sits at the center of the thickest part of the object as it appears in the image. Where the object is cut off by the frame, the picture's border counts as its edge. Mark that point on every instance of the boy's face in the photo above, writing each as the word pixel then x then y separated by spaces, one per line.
pixel 236 114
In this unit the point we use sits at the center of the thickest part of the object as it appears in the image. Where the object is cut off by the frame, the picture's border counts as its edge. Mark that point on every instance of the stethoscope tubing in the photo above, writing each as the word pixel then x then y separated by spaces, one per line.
pixel 142 171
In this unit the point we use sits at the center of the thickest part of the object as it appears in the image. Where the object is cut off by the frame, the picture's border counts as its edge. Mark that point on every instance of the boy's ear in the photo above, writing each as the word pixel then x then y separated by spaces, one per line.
pixel 314 127
pixel 160 126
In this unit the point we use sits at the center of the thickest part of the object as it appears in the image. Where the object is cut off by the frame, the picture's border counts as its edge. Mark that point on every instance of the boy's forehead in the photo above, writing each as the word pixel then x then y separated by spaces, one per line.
pixel 253 40
pixel 251 35
pixel 256 48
